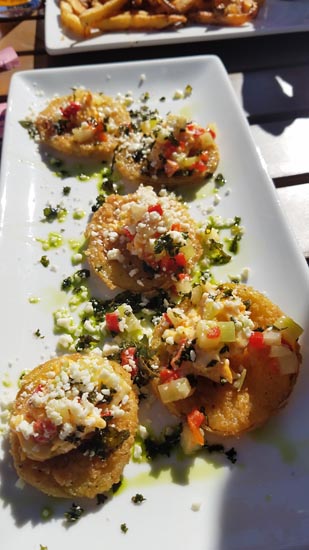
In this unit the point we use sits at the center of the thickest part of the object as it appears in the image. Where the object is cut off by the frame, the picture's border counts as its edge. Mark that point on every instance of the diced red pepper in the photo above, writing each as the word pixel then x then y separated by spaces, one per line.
pixel 70 110
pixel 166 375
pixel 128 233
pixel 112 321
pixel 212 133
pixel 204 156
pixel 199 166
pixel 172 264
pixel 256 340
pixel 176 227
pixel 195 419
pixel 167 264
pixel 167 319
pixel 38 388
pixel 105 413
pixel 100 133
pixel 44 431
pixel 169 149
pixel 156 208
pixel 213 332
pixel 128 357
pixel 182 276
pixel 180 259
pixel 197 130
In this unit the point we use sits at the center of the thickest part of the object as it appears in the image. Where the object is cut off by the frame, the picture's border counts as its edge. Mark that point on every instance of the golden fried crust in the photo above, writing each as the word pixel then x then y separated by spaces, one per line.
pixel 115 273
pixel 101 117
pixel 74 474
pixel 230 412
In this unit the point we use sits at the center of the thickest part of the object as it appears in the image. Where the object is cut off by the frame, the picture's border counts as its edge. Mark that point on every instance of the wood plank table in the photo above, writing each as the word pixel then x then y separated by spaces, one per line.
pixel 270 75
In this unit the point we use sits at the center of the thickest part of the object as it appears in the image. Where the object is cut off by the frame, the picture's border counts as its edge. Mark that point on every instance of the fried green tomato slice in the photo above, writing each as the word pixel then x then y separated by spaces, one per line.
pixel 73 424
pixel 143 241
pixel 167 152
pixel 228 359
pixel 83 124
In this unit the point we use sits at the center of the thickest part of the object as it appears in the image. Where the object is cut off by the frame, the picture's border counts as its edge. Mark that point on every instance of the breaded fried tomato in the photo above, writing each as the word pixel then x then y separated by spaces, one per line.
pixel 73 425
pixel 143 241
pixel 168 152
pixel 85 124
pixel 228 359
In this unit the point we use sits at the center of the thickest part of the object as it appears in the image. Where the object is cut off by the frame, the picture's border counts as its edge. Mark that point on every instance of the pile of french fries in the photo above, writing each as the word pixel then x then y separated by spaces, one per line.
pixel 85 18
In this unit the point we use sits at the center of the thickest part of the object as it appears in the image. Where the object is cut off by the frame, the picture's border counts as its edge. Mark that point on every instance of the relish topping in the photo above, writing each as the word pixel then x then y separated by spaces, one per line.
pixel 69 404
pixel 204 334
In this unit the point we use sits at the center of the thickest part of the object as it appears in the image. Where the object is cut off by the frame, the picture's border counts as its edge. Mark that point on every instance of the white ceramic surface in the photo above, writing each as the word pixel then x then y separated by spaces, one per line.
pixel 261 502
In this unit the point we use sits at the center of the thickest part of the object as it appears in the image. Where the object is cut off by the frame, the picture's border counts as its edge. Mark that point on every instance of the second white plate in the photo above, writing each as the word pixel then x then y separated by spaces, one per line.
pixel 277 16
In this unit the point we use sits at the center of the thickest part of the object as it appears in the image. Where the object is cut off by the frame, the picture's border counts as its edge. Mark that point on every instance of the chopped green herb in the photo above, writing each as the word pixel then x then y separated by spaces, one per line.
pixel 38 333
pixel 101 499
pixel 54 213
pixel 44 261
pixel 145 97
pixel 164 445
pixel 231 454
pixel 138 498
pixel 188 90
pixel 116 486
pixel 124 527
pixel 74 513
pixel 215 253
pixel 220 180
pixel 30 127
pixel 66 190
pixel 166 243
pixel 104 442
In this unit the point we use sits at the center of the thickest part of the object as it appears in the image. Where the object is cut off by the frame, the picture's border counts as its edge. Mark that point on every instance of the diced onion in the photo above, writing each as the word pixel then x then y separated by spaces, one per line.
pixel 174 390
pixel 272 337
pixel 288 364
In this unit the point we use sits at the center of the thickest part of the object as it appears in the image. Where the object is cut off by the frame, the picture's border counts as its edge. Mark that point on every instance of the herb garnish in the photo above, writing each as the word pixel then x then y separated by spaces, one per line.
pixel 104 442
pixel 74 513
pixel 138 498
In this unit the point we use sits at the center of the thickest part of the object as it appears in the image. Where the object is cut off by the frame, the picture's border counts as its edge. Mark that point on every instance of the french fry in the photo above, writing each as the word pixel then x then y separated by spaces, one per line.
pixel 162 6
pixel 140 20
pixel 86 18
pixel 77 6
pixel 183 6
pixel 101 11
pixel 70 20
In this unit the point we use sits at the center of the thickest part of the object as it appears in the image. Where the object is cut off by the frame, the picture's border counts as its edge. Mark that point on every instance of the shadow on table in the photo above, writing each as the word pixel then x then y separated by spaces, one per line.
pixel 274 98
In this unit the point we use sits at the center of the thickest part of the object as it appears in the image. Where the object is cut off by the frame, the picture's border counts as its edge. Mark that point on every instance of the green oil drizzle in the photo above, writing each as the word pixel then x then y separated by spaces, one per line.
pixel 286 448
pixel 184 472
pixel 54 240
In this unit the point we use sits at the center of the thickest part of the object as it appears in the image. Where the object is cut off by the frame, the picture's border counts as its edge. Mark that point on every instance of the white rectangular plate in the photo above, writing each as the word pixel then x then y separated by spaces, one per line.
pixel 259 503
pixel 276 16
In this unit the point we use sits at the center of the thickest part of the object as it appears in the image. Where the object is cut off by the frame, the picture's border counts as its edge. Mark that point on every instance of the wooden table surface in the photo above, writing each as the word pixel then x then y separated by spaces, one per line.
pixel 270 75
